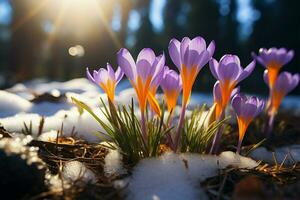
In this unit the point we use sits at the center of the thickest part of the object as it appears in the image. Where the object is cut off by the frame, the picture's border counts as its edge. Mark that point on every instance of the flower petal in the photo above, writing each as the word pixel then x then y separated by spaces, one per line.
pixel 217 92
pixel 174 51
pixel 183 46
pixel 127 64
pixel 211 48
pixel 119 75
pixel 213 66
pixel 110 72
pixel 229 72
pixel 144 63
pixel 198 44
pixel 89 76
pixel 247 71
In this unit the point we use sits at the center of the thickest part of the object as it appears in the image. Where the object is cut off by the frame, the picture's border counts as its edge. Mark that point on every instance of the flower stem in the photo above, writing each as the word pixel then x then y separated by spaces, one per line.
pixel 180 126
pixel 143 126
pixel 217 138
pixel 270 125
pixel 238 149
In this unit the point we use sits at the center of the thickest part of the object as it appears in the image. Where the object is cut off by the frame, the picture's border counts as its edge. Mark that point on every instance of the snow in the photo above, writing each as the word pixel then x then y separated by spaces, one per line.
pixel 113 163
pixel 85 125
pixel 172 176
pixel 74 171
pixel 11 104
pixel 288 154
pixel 48 136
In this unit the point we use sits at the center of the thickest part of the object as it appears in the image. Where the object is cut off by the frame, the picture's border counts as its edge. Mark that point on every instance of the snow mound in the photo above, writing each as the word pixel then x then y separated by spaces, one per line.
pixel 11 104
pixel 172 176
pixel 84 125
pixel 289 155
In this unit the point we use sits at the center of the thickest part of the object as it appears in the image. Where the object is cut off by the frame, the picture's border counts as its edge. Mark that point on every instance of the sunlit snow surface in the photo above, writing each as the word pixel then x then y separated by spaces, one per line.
pixel 178 176
pixel 170 176
pixel 17 109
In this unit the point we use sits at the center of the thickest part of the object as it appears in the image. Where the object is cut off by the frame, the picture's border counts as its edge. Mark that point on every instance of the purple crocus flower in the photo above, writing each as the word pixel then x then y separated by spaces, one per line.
pixel 142 74
pixel 107 79
pixel 246 109
pixel 190 56
pixel 171 85
pixel 273 59
pixel 284 84
pixel 229 73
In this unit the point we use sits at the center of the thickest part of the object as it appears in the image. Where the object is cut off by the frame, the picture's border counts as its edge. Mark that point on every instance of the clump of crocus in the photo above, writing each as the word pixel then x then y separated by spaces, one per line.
pixel 273 59
pixel 246 108
pixel 107 79
pixel 142 75
pixel 229 72
pixel 189 56
pixel 284 84
pixel 171 85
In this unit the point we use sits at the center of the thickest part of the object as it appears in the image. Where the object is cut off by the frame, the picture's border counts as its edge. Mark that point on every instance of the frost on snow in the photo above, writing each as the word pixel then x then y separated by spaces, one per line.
pixel 173 177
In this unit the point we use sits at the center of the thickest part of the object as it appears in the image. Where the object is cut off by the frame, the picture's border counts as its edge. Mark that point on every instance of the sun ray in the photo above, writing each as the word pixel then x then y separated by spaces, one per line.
pixel 57 22
pixel 38 8
pixel 107 26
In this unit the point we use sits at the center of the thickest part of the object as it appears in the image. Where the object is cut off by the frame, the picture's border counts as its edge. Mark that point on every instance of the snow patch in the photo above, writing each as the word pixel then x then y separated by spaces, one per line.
pixel 11 104
pixel 172 176
pixel 84 125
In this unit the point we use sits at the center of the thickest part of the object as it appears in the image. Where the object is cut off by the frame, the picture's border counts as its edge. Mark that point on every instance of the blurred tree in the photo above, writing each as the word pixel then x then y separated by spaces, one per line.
pixel 26 39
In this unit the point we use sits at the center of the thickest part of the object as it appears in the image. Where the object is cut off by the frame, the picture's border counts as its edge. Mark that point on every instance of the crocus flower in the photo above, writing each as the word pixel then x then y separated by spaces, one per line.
pixel 142 75
pixel 107 79
pixel 171 85
pixel 229 73
pixel 217 93
pixel 218 98
pixel 190 56
pixel 246 109
pixel 284 84
pixel 273 59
